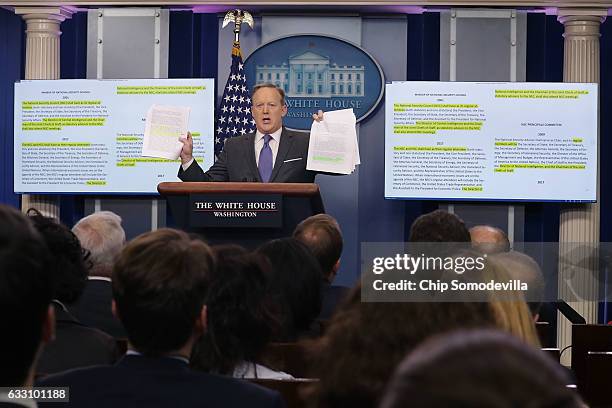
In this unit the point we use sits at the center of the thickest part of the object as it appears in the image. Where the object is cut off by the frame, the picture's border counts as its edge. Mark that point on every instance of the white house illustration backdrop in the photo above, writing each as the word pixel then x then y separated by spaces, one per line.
pixel 312 75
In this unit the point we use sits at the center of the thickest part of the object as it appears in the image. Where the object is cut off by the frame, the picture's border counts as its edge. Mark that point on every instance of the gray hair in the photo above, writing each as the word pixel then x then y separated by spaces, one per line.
pixel 103 236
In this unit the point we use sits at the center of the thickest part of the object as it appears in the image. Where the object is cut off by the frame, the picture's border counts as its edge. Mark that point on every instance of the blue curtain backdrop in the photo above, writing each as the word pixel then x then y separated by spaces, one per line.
pixel 73 65
pixel 544 64
pixel 194 50
pixel 194 45
pixel 423 50
pixel 11 70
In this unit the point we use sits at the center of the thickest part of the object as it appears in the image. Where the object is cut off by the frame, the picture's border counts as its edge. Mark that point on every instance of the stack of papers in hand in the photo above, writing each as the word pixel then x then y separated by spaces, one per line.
pixel 164 125
pixel 333 144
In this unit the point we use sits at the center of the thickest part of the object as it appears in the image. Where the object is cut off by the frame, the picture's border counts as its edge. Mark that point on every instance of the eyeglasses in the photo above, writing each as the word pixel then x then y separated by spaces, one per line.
pixel 270 106
pixel 86 254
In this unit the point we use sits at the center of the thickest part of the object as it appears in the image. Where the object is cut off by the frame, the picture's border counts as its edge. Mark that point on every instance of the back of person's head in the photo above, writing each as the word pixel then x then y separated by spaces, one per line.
pixel 507 302
pixel 439 226
pixel 295 283
pixel 365 341
pixel 226 251
pixel 489 240
pixel 160 282
pixel 67 267
pixel 524 268
pixel 25 295
pixel 478 369
pixel 321 234
pixel 103 236
pixel 240 314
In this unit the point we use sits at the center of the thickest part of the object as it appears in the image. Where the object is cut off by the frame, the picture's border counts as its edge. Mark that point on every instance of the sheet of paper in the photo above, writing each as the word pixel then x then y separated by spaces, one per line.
pixel 333 144
pixel 163 127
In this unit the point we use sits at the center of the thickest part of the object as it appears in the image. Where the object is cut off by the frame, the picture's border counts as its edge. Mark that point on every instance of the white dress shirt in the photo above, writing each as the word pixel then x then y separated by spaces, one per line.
pixel 274 142
pixel 248 369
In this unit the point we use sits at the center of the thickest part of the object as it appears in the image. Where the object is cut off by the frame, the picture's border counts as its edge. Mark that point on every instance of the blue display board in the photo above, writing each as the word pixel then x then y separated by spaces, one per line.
pixel 491 141
pixel 85 136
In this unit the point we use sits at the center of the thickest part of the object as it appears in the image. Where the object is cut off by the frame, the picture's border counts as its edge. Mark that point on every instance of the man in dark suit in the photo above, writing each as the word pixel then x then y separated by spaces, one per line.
pixel 321 234
pixel 160 283
pixel 25 302
pixel 272 154
pixel 75 345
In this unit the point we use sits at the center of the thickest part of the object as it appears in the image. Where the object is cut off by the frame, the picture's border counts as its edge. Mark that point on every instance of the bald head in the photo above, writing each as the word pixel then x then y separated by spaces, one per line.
pixel 489 240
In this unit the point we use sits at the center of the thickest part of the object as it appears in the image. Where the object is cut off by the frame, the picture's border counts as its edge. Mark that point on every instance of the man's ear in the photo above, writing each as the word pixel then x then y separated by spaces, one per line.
pixel 114 309
pixel 334 271
pixel 284 110
pixel 48 327
pixel 201 323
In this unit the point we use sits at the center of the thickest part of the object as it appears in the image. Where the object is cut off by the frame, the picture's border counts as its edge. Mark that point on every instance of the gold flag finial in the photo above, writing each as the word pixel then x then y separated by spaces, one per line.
pixel 238 17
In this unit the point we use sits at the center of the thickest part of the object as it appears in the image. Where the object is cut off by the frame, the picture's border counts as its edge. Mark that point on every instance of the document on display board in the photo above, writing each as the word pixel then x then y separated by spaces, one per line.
pixel 333 146
pixel 491 141
pixel 108 136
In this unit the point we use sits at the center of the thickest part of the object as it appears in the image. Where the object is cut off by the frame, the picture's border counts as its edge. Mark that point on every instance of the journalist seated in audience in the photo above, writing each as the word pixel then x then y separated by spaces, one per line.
pixel 26 291
pixel 321 234
pixel 439 226
pixel 160 283
pixel 103 236
pixel 524 268
pixel 295 286
pixel 365 341
pixel 478 369
pixel 75 345
pixel 241 317
pixel 509 306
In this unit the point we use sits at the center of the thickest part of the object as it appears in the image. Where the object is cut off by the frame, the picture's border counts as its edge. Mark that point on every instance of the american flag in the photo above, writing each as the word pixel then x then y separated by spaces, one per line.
pixel 234 114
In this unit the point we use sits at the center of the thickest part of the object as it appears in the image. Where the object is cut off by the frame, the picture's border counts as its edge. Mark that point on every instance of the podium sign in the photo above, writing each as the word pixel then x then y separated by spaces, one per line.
pixel 236 210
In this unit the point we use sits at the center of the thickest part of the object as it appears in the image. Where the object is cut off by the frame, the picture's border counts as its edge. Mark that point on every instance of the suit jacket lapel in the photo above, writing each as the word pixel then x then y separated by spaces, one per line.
pixel 283 150
pixel 250 159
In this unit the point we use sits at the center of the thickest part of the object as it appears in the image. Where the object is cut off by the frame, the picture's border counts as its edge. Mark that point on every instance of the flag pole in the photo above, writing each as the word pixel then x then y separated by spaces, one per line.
pixel 234 113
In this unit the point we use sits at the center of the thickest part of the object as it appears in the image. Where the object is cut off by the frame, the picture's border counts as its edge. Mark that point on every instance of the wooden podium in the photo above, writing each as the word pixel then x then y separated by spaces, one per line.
pixel 592 362
pixel 247 214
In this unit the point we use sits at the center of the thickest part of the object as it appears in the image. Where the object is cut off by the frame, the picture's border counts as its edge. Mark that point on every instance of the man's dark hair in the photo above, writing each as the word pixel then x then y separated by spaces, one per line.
pixel 67 267
pixel 160 282
pixel 241 316
pixel 25 294
pixel 281 91
pixel 321 234
pixel 480 368
pixel 371 338
pixel 439 226
pixel 295 284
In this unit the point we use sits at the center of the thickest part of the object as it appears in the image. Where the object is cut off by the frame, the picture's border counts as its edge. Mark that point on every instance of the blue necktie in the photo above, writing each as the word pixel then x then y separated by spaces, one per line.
pixel 265 160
